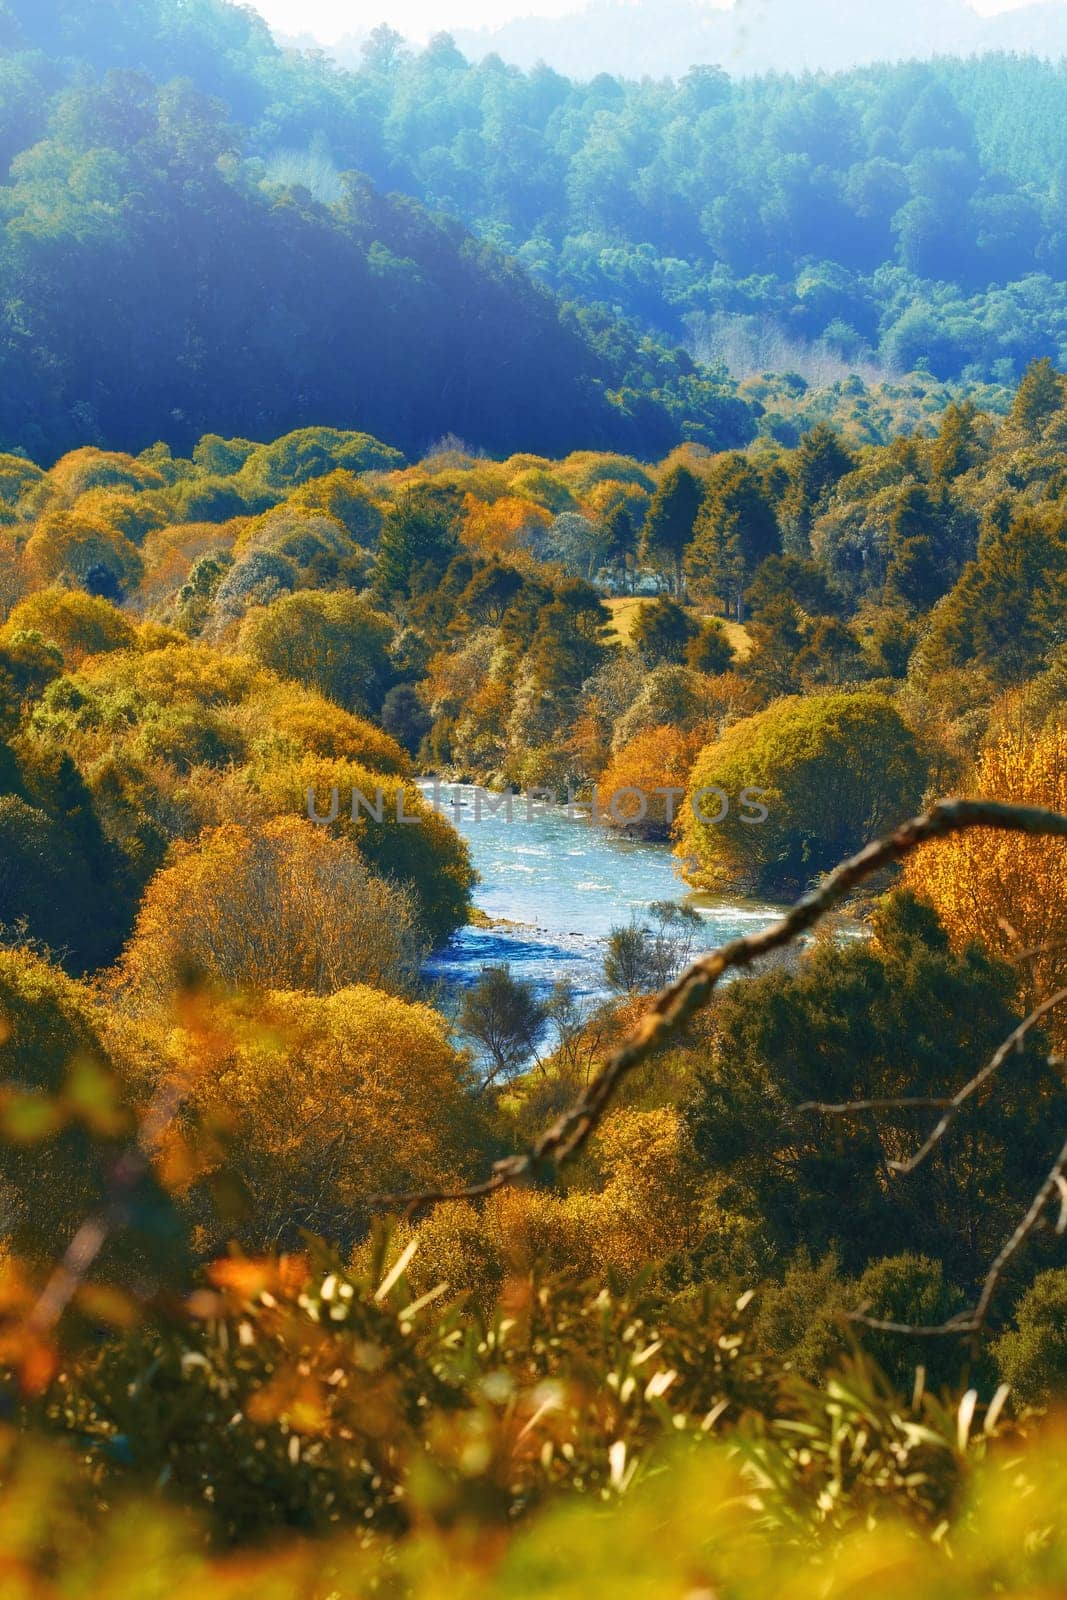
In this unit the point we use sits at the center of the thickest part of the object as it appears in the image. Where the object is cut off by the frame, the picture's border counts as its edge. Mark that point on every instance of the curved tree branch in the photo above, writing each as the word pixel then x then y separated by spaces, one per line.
pixel 674 1006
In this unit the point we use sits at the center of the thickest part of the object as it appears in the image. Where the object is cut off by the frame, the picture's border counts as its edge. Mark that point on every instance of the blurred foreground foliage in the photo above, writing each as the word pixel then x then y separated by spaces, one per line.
pixel 298 1430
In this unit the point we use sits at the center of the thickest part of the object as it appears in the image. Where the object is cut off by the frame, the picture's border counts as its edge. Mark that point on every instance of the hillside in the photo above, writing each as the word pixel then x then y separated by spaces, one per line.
pixel 903 224
pixel 158 284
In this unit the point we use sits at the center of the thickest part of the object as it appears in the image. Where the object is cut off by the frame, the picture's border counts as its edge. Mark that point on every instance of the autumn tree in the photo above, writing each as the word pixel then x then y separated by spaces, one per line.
pixel 398 834
pixel 327 1100
pixel 78 624
pixel 340 495
pixel 642 787
pixel 333 642
pixel 85 549
pixel 831 772
pixel 1008 893
pixel 285 906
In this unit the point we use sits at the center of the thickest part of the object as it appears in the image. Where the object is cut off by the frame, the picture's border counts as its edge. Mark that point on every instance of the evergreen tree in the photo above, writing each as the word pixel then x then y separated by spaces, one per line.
pixel 736 531
pixel 671 519
pixel 418 542
pixel 620 544
pixel 1041 394
pixel 819 462
pixel 956 448
pixel 1006 612
pixel 663 631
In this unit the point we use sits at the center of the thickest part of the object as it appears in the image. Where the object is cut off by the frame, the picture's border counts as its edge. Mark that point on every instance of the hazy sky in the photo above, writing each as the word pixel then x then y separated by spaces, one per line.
pixel 328 20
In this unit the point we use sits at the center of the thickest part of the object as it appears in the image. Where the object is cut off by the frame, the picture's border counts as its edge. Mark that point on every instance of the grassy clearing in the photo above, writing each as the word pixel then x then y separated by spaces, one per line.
pixel 624 611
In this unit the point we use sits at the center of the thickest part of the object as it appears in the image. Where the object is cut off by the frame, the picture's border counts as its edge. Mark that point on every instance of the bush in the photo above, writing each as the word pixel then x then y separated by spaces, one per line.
pixel 832 771
pixel 710 651
pixel 332 642
pixel 322 1101
pixel 62 1115
pixel 78 624
pixel 285 907
pixel 1032 1356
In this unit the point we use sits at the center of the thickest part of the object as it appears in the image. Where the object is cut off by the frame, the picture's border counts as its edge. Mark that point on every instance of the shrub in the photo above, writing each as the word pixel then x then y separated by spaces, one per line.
pixel 79 624
pixel 325 1100
pixel 285 907
pixel 332 642
pixel 1032 1356
pixel 833 772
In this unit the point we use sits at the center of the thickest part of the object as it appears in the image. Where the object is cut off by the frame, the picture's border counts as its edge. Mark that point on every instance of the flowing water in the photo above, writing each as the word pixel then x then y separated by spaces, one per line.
pixel 554 885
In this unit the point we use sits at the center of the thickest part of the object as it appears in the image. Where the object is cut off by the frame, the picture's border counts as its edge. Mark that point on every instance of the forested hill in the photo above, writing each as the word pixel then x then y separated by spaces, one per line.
pixel 189 175
pixel 157 283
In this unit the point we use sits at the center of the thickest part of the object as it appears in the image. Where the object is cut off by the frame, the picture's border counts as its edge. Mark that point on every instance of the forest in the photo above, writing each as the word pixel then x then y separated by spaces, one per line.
pixel 218 1046
pixel 641 444
pixel 661 262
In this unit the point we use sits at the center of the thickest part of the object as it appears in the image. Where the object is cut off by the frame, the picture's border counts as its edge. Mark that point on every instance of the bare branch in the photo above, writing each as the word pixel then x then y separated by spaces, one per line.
pixel 675 1005
pixel 959 1100
pixel 953 1105
pixel 1022 1233
pixel 847 1108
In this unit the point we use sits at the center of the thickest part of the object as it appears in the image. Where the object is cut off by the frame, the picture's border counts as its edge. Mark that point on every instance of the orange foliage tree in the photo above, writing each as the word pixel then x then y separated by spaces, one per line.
pixel 1008 891
pixel 657 758
pixel 508 527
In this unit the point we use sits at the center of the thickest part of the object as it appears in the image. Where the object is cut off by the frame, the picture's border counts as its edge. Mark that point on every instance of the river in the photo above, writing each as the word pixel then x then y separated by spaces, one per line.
pixel 554 885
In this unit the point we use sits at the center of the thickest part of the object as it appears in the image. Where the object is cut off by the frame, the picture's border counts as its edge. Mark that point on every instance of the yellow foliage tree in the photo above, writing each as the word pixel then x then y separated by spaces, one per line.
pixel 79 624
pixel 318 726
pixel 1008 891
pixel 285 906
pixel 323 1102
pixel 649 1209
pixel 397 832
pixel 170 554
pixel 89 468
pixel 70 545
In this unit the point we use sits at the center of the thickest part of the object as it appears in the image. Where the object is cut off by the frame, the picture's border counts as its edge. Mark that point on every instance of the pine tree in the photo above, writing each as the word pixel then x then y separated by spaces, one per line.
pixel 1041 394
pixel 671 519
pixel 956 447
pixel 736 530
pixel 819 462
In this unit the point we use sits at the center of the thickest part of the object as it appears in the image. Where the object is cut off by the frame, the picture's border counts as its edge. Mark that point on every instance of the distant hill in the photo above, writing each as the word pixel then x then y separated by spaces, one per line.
pixel 664 38
pixel 155 285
